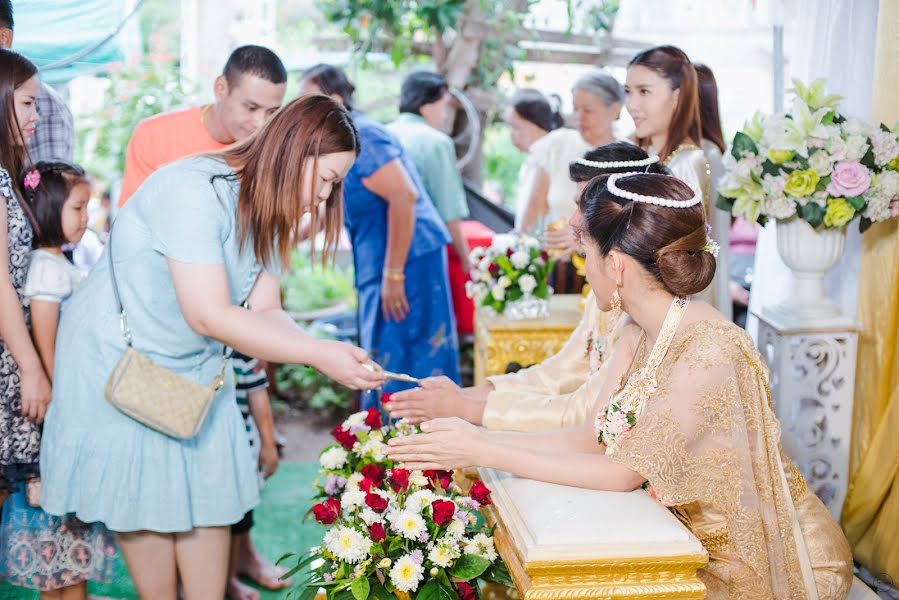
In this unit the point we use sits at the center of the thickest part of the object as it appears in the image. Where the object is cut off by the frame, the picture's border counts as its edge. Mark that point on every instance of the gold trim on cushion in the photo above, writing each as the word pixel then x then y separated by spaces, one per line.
pixel 670 577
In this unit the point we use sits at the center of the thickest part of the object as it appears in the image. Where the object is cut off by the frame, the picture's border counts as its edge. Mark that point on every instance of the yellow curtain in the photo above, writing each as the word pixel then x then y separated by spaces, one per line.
pixel 871 511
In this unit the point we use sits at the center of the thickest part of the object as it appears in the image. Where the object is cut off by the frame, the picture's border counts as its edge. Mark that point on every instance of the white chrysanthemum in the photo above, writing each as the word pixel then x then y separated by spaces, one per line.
pixel 418 480
pixel 334 458
pixel 355 419
pixel 347 544
pixel 352 498
pixel 406 574
pixel 420 499
pixel 821 163
pixel 354 480
pixel 498 293
pixel 373 448
pixel 856 147
pixel 502 242
pixel 520 259
pixel 456 529
pixel 854 126
pixel 482 546
pixel 504 281
pixel 527 283
pixel 369 516
pixel 885 145
pixel 884 188
pixel 409 524
pixel 780 207
pixel 443 555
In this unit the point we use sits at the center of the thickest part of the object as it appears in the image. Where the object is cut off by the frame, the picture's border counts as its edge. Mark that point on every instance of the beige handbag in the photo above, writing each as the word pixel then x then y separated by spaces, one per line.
pixel 153 395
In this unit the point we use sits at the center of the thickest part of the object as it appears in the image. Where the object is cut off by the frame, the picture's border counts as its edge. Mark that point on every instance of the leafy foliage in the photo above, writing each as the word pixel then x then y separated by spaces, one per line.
pixel 307 286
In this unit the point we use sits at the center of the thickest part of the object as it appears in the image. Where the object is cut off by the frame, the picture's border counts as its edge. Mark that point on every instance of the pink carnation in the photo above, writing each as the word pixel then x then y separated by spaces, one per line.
pixel 849 178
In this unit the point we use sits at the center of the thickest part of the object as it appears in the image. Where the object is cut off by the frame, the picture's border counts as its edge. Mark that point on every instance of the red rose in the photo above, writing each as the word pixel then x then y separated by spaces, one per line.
pixel 376 530
pixel 376 502
pixel 493 269
pixel 366 484
pixel 373 472
pixel 509 252
pixel 373 418
pixel 344 437
pixel 544 255
pixel 442 479
pixel 385 397
pixel 443 511
pixel 465 591
pixel 327 512
pixel 399 479
pixel 480 493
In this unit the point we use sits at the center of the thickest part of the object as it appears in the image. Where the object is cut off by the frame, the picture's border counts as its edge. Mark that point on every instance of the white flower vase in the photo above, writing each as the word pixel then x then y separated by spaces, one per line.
pixel 809 254
pixel 527 308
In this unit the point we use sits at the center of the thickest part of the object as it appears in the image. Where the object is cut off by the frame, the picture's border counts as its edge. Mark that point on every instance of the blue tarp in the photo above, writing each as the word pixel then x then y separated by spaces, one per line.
pixel 53 31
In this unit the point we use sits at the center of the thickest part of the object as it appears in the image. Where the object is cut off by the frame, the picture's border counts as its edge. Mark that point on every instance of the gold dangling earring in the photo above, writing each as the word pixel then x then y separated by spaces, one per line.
pixel 615 302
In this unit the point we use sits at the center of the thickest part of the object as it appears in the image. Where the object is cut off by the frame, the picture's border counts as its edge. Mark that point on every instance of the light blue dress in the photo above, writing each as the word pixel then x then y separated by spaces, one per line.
pixel 100 464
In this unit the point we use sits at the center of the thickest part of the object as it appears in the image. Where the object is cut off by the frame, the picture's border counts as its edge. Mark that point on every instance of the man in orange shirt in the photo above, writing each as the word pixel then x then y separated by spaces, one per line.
pixel 249 90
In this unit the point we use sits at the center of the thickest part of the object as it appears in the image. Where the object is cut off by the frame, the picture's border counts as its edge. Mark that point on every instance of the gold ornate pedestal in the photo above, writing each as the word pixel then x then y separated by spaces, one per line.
pixel 500 342
pixel 563 543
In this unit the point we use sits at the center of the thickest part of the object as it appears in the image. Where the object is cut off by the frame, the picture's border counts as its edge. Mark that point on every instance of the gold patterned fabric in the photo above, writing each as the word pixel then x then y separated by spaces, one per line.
pixel 560 391
pixel 708 444
pixel 871 511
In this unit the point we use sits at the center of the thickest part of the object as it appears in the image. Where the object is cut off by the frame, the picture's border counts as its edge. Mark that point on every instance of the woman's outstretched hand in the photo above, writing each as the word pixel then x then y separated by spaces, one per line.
pixel 437 397
pixel 444 444
pixel 347 365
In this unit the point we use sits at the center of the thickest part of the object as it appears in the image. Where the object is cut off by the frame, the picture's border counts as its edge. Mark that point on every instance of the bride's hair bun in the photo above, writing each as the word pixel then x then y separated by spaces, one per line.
pixel 668 242
pixel 685 268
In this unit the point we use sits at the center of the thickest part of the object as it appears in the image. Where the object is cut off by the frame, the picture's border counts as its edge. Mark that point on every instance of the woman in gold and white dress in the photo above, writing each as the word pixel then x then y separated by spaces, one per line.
pixel 662 90
pixel 686 415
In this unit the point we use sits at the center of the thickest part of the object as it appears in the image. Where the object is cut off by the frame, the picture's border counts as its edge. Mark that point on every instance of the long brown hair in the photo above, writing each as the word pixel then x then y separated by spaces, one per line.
pixel 15 70
pixel 709 115
pixel 672 64
pixel 270 165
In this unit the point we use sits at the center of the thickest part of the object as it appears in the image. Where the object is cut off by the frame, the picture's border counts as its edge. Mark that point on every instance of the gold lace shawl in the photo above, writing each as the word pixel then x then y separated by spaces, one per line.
pixel 707 437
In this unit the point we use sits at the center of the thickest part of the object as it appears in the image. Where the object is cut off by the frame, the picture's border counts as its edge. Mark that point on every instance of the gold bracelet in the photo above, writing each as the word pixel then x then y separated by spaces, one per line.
pixel 394 275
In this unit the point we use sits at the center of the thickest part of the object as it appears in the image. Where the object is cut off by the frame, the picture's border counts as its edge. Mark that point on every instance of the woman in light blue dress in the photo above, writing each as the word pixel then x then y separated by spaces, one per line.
pixel 201 236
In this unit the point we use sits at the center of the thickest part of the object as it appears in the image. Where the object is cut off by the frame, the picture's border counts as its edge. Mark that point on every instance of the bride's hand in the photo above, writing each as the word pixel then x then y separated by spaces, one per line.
pixel 437 397
pixel 445 444
pixel 346 364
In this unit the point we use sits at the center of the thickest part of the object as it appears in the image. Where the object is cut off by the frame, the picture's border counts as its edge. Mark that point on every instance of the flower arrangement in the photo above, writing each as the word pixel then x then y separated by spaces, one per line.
pixel 512 269
pixel 813 162
pixel 393 532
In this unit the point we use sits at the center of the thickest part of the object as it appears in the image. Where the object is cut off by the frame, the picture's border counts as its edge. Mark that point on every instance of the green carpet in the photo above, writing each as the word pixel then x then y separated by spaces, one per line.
pixel 279 529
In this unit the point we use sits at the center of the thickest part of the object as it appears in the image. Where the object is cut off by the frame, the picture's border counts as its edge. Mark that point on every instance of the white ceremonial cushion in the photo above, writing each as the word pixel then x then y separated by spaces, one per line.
pixel 549 522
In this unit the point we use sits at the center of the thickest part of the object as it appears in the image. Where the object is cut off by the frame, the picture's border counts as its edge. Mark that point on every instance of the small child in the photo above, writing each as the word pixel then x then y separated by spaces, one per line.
pixel 71 552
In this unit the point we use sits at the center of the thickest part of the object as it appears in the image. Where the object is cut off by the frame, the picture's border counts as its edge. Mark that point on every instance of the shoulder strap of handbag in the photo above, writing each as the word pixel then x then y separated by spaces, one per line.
pixel 123 324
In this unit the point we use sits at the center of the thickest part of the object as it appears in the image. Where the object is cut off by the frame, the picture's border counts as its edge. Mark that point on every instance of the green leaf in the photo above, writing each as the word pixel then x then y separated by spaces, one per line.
pixel 499 573
pixel 343 594
pixel 395 545
pixel 857 202
pixel 434 590
pixel 813 213
pixel 360 587
pixel 379 592
pixel 868 158
pixel 285 557
pixel 769 168
pixel 864 224
pixel 309 592
pixel 469 566
pixel 743 143
pixel 725 203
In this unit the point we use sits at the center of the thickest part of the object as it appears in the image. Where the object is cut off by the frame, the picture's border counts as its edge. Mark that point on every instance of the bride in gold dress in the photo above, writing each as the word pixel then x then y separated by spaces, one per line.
pixel 687 416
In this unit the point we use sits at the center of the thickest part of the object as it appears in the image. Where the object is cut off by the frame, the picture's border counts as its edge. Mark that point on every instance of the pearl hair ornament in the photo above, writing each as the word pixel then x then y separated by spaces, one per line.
pixel 617 164
pixel 611 185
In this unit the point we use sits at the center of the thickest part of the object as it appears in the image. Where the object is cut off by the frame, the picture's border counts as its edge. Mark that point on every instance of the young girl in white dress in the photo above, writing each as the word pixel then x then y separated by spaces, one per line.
pixel 73 552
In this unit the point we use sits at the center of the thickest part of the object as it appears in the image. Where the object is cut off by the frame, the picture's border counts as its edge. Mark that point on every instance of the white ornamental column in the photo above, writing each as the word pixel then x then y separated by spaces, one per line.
pixel 812 385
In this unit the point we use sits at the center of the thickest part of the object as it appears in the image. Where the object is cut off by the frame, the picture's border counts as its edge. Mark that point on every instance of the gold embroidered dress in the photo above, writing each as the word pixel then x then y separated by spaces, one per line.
pixel 694 418
pixel 560 391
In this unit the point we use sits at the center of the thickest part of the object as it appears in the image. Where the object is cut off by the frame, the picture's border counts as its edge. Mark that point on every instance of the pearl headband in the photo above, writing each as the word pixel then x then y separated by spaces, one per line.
pixel 617 164
pixel 611 185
